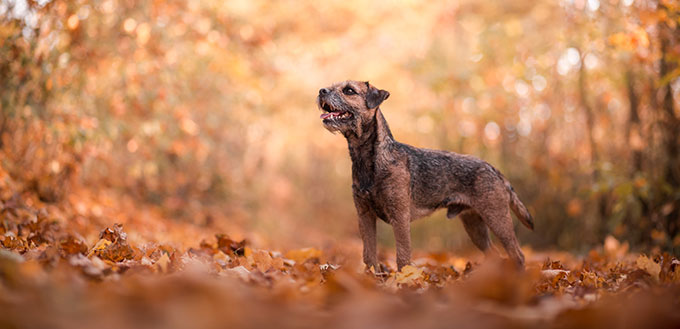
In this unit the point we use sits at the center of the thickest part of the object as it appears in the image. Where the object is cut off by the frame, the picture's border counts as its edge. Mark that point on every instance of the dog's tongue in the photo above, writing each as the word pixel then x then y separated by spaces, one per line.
pixel 325 115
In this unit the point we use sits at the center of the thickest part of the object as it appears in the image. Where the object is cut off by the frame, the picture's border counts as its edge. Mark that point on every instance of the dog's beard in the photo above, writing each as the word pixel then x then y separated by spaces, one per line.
pixel 335 118
pixel 337 126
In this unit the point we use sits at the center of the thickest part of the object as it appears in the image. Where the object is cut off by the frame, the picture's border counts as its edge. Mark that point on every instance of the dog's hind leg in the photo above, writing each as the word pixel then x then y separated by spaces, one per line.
pixel 472 221
pixel 476 229
pixel 499 221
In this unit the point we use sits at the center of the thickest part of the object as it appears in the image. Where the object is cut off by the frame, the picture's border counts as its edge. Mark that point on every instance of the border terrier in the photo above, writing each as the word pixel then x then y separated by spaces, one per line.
pixel 399 183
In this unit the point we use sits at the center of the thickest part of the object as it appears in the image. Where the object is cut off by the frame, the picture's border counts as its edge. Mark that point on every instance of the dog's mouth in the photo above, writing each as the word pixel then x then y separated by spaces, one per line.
pixel 333 114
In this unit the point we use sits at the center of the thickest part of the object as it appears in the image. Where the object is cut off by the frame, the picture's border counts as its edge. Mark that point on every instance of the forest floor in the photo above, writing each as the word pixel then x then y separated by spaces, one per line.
pixel 67 265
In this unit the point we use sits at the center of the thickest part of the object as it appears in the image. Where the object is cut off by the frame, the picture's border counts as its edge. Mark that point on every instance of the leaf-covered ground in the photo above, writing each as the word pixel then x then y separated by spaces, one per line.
pixel 67 265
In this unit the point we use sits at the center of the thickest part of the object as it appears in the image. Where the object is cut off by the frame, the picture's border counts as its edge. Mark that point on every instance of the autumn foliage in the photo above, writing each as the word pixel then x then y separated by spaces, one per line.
pixel 162 164
pixel 52 276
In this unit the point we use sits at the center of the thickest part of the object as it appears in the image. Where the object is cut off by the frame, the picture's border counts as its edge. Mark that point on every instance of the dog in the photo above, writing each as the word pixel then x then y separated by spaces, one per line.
pixel 399 183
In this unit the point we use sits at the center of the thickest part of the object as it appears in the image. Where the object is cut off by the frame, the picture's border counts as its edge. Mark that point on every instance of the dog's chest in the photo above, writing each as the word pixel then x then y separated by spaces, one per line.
pixel 382 183
pixel 382 198
pixel 366 197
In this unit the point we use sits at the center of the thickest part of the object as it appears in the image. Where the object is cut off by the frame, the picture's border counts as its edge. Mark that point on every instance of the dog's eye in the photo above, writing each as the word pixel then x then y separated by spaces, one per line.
pixel 348 91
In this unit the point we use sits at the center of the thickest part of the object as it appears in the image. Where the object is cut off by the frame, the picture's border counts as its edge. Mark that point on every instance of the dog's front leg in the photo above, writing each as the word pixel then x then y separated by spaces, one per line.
pixel 367 230
pixel 402 237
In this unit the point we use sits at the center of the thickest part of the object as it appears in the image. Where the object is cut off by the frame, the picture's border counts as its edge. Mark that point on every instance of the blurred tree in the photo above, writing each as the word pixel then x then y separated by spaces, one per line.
pixel 205 108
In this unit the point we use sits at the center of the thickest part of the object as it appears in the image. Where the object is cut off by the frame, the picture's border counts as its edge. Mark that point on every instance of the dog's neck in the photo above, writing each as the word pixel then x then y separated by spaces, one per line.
pixel 364 145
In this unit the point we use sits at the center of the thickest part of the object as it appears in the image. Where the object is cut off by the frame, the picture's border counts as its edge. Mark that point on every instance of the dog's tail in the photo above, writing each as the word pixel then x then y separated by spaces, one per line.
pixel 519 209
pixel 516 204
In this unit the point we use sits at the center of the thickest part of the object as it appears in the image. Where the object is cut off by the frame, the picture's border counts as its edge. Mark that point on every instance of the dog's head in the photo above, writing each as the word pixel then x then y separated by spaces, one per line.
pixel 349 105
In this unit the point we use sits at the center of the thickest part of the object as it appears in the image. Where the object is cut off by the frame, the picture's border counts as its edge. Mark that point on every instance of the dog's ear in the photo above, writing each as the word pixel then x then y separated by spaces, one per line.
pixel 375 96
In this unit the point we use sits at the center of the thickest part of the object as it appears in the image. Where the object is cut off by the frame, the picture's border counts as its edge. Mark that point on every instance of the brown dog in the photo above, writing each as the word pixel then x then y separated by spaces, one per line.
pixel 399 183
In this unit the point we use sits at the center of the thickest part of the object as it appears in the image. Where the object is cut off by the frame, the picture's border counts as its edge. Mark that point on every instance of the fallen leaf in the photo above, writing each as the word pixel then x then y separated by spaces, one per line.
pixel 262 260
pixel 239 272
pixel 163 262
pixel 301 255
pixel 649 266
pixel 71 246
pixel 408 275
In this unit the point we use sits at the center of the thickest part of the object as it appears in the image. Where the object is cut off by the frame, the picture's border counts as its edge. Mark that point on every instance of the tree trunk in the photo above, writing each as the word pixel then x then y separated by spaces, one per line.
pixel 671 130
pixel 602 199
pixel 633 127
pixel 590 118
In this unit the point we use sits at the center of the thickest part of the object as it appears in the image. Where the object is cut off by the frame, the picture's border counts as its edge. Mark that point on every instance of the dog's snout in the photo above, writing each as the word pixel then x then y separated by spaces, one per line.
pixel 323 91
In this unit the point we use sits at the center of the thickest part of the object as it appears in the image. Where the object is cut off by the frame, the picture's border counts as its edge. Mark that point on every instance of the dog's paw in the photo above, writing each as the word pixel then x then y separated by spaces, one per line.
pixel 380 271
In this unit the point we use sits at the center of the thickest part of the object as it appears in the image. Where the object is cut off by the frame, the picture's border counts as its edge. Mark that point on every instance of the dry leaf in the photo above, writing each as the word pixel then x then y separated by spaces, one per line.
pixel 409 275
pixel 649 266
pixel 301 255
pixel 163 262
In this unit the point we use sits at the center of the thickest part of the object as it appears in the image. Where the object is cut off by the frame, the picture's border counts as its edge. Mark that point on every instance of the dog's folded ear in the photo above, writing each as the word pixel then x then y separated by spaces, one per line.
pixel 375 96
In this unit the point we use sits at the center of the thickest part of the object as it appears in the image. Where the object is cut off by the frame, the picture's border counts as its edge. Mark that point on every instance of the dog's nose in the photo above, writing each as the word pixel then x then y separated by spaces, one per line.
pixel 323 91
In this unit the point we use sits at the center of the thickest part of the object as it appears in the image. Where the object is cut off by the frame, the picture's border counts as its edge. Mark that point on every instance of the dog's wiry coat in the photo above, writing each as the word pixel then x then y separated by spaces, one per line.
pixel 399 183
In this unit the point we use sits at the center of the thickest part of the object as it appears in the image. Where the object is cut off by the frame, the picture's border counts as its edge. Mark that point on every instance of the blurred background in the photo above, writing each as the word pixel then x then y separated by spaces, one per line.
pixel 205 110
